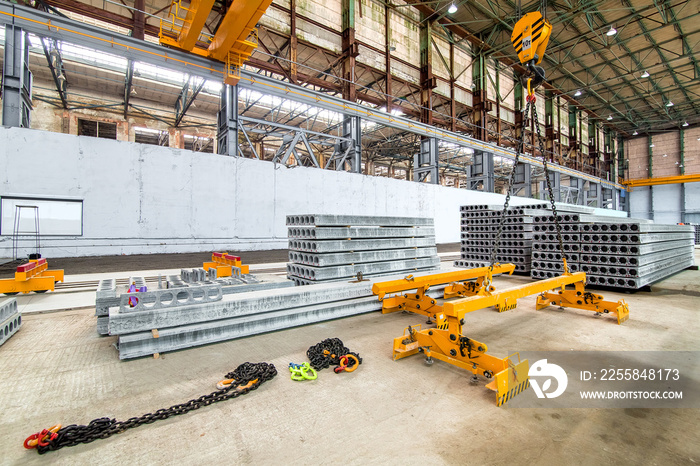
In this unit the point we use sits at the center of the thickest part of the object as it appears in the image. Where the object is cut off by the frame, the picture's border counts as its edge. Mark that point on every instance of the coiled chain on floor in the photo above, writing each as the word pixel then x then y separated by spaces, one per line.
pixel 248 376
pixel 328 352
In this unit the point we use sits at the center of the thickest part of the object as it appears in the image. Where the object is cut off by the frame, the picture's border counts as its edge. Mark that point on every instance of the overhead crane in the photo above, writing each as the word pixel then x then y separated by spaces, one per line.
pixel 234 40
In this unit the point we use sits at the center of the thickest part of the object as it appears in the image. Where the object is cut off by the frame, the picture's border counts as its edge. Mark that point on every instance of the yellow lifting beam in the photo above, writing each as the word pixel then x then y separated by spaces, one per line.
pixel 507 299
pixel 223 262
pixel 32 276
pixel 420 303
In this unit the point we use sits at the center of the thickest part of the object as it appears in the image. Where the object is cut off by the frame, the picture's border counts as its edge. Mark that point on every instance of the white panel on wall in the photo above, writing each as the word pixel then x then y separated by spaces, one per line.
pixel 56 217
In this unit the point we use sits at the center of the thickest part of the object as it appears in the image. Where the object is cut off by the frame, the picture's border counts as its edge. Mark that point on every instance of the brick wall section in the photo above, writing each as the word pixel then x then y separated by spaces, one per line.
pixel 692 150
pixel 668 144
pixel 637 152
pixel 667 153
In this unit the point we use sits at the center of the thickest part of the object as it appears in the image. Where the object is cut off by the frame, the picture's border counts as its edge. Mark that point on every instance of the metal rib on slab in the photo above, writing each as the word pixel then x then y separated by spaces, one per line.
pixel 325 246
pixel 347 271
pixel 325 260
pixel 357 220
pixel 357 232
pixel 305 281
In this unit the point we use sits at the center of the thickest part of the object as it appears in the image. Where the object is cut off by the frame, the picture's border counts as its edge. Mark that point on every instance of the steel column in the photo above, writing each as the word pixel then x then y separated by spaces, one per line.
pixel 425 163
pixel 16 79
pixel 523 180
pixel 227 118
pixel 481 172
pixel 350 50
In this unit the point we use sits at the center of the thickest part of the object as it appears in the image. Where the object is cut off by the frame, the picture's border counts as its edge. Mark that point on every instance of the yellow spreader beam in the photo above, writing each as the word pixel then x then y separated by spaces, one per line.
pixel 507 299
pixel 462 283
pixel 31 276
pixel 447 343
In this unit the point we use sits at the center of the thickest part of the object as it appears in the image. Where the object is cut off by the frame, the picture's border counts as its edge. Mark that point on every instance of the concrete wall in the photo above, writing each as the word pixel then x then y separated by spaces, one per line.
pixel 149 199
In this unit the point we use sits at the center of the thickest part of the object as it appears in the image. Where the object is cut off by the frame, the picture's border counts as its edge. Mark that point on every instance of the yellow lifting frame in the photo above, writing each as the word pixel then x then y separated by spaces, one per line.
pixel 447 343
pixel 507 299
pixel 38 279
pixel 420 303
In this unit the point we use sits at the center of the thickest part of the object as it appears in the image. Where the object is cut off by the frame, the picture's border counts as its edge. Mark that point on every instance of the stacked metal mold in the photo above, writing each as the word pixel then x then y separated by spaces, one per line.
pixel 110 292
pixel 325 248
pixel 10 319
pixel 625 253
pixel 479 226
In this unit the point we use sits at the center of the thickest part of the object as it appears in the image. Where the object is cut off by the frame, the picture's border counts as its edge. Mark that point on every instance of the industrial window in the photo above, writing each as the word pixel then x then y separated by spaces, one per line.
pixel 97 129
pixel 57 217
pixel 199 144
pixel 151 136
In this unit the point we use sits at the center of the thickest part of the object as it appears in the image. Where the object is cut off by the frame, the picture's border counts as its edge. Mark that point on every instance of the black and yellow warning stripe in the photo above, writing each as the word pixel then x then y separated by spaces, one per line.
pixel 536 33
pixel 513 392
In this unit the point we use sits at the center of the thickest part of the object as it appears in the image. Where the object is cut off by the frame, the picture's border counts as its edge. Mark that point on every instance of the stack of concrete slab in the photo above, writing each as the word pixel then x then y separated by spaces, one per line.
pixel 625 253
pixel 10 319
pixel 325 248
pixel 546 253
pixel 169 320
pixel 110 292
pixel 479 226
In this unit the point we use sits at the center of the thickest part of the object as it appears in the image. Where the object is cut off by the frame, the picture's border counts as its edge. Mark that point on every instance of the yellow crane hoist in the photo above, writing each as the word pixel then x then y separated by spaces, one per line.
pixel 530 37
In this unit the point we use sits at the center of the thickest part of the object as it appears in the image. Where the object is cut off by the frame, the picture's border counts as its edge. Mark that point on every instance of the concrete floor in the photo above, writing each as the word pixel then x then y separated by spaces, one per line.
pixel 56 369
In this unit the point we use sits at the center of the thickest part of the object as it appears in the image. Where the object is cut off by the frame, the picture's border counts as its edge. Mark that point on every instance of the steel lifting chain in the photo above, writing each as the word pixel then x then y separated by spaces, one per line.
pixel 248 376
pixel 549 183
pixel 531 99
pixel 511 182
pixel 328 352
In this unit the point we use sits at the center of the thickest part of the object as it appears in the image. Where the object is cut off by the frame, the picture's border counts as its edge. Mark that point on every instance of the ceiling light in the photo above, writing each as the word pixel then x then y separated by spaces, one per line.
pixel 578 93
pixel 611 32
pixel 609 117
pixel 452 9
pixel 645 74
pixel 635 133
pixel 685 123
pixel 651 145
pixel 669 104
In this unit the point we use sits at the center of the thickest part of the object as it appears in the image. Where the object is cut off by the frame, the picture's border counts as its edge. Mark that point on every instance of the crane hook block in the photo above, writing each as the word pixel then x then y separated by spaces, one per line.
pixel 530 37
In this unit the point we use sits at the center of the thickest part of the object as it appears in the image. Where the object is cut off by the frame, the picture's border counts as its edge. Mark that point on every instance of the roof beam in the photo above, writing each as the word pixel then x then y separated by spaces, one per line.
pixel 128 78
pixel 58 71
pixel 186 99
